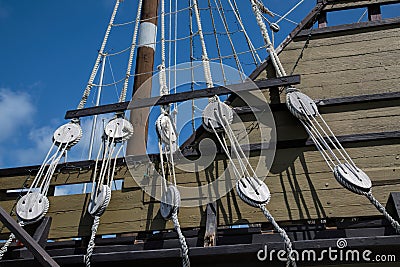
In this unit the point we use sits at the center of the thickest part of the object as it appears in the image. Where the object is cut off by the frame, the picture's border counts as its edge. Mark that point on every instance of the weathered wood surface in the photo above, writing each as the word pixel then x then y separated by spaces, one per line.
pixel 347 64
pixel 302 186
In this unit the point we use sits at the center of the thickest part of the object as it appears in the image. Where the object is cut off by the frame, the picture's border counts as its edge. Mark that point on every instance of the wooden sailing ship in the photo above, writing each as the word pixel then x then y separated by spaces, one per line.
pixel 351 72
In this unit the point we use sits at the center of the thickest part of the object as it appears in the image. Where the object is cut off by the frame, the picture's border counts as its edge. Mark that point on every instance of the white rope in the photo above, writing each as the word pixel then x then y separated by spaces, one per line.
pixel 270 48
pixel 162 76
pixel 182 240
pixel 290 11
pixel 4 248
pixel 288 244
pixel 205 59
pixel 89 86
pixel 100 182
pixel 132 53
pixel 240 21
pixel 226 27
pixel 327 143
pixel 91 245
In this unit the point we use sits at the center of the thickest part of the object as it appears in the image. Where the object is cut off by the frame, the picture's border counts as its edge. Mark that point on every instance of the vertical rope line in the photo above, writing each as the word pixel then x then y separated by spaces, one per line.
pixel 274 58
pixel 89 86
pixel 217 42
pixel 91 245
pixel 205 59
pixel 182 240
pixel 132 53
pixel 282 233
pixel 191 61
pixel 175 111
pixel 221 13
pixel 248 40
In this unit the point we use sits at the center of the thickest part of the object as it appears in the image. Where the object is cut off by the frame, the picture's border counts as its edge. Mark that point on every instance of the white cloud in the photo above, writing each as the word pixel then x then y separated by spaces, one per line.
pixel 41 140
pixel 16 109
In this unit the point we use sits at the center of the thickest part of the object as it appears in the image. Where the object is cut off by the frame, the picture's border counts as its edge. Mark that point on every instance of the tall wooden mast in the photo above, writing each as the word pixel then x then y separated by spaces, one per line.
pixel 144 72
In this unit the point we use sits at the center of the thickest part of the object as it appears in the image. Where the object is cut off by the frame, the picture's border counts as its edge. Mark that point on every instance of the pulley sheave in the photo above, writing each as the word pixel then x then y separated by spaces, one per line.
pixel 68 134
pixel 253 191
pixel 166 130
pixel 99 202
pixel 352 178
pixel 170 202
pixel 119 129
pixel 32 207
pixel 301 105
pixel 217 115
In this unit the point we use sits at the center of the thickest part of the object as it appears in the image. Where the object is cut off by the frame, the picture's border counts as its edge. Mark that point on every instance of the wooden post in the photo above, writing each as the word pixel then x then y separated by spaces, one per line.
pixel 37 251
pixel 143 72
pixel 374 12
pixel 210 237
pixel 322 20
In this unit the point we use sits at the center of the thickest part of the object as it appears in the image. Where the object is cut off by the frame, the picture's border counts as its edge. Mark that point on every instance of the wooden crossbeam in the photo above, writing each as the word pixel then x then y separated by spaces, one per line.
pixel 38 252
pixel 349 27
pixel 184 96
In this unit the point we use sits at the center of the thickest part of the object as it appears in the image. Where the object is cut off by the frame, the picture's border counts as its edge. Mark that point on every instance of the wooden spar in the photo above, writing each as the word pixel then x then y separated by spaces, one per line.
pixel 39 253
pixel 143 74
pixel 184 96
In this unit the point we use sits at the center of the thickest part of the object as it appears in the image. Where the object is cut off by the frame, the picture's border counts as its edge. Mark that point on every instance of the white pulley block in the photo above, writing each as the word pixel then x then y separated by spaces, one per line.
pixel 99 202
pixel 166 130
pixel 170 202
pixel 119 129
pixel 32 207
pixel 352 178
pixel 274 27
pixel 69 133
pixel 301 105
pixel 211 113
pixel 253 191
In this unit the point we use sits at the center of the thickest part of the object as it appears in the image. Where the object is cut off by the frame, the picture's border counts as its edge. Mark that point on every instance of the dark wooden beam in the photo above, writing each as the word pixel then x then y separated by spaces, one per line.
pixel 358 99
pixel 39 253
pixel 348 28
pixel 374 12
pixel 322 20
pixel 230 255
pixel 393 205
pixel 40 232
pixel 210 237
pixel 179 97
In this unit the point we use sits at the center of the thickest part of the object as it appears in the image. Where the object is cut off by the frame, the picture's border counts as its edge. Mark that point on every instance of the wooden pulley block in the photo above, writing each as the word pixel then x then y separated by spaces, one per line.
pixel 253 191
pixel 32 207
pixel 211 113
pixel 352 178
pixel 301 105
pixel 170 202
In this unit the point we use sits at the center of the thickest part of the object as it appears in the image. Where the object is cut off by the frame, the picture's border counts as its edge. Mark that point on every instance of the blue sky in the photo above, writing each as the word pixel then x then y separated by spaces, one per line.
pixel 48 49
